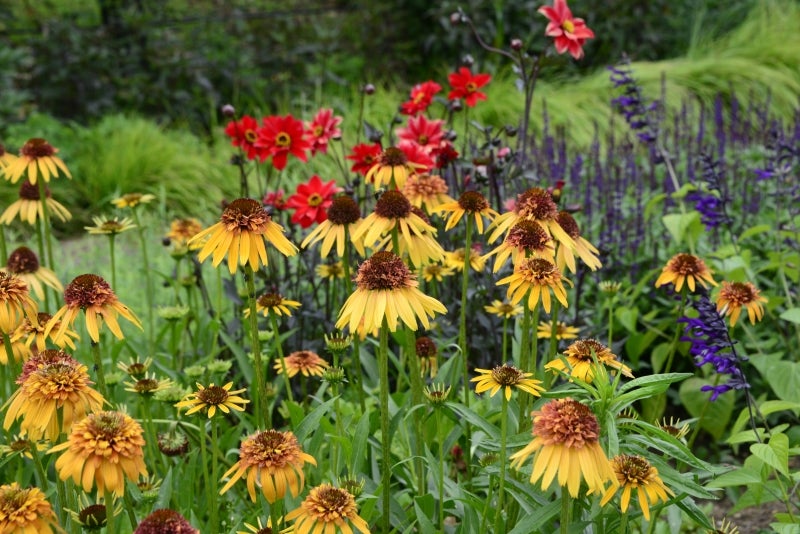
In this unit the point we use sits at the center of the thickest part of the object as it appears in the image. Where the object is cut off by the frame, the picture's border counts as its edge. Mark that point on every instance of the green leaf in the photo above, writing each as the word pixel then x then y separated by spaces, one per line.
pixel 679 224
pixel 738 477
pixel 627 317
pixel 473 418
pixel 755 230
pixel 533 522
pixel 792 315
pixel 311 421
pixel 360 442
pixel 424 508
pixel 775 454
pixel 713 416
pixel 784 377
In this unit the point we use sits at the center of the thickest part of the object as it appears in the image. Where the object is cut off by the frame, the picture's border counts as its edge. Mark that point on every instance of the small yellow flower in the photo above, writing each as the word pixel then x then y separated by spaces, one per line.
pixel 326 510
pixel 634 473
pixel 470 203
pixel 212 397
pixel 545 330
pixel 273 303
pixel 391 169
pixel 108 226
pixel 29 206
pixel 685 268
pixel 536 277
pixel 131 200
pixel 37 158
pixel 506 376
pixel 580 357
pixel 733 296
pixel 436 271
pixel 26 511
pixel 24 263
pixel 302 361
pixel 504 309
pixel 330 271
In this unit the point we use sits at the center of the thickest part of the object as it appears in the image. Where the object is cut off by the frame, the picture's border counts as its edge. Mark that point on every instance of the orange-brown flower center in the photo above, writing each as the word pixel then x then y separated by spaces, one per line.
pixel 213 395
pixel 536 203
pixel 686 264
pixel 393 157
pixel 164 520
pixel 315 199
pixel 426 348
pixel 425 185
pixel 88 290
pixel 507 375
pixel 43 359
pixel 136 369
pixel 29 191
pixel 245 215
pixel 566 422
pixel 527 235
pixel 569 224
pixel 632 470
pixel 329 503
pixel 343 210
pixel 37 148
pixel 472 202
pixel 384 270
pixel 283 140
pixel 583 349
pixel 539 271
pixel 146 385
pixel 250 136
pixel 23 260
pixel 270 448
pixel 269 300
pixel 735 293
pixel 104 425
pixel 393 205
pixel 93 517
pixel 471 87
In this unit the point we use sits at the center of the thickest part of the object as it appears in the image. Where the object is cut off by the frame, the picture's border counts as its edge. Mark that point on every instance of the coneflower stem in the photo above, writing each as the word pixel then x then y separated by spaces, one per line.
pixel 210 483
pixel 149 293
pixel 566 511
pixel 98 367
pixel 214 475
pixel 498 519
pixel 40 243
pixel 261 409
pixel 3 250
pixel 524 359
pixel 112 259
pixel 505 338
pixel 386 467
pixel 279 349
pixel 356 358
pixel 551 354
pixel 462 337
pixel 46 222
pixel 441 438
pixel 108 498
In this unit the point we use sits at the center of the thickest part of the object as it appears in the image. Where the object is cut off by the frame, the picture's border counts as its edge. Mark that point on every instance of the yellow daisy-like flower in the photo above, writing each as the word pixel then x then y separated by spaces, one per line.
pixel 272 460
pixel 471 203
pixel 22 446
pixel 131 200
pixel 93 295
pixel 37 158
pixel 273 303
pixel 24 263
pixel 508 377
pixel 579 361
pixel 436 271
pixel 585 250
pixel 392 169
pixel 182 230
pixel 330 271
pixel 29 206
pixel 19 350
pixel 6 158
pixel 634 473
pixel 108 226
pixel 455 260
pixel 344 216
pixel 503 309
pixel 212 397
pixel 545 330
pixel 685 268
pixel 302 361
pixel 537 205
pixel 26 511
pixel 392 212
pixel 733 296
pixel 426 191
pixel 386 289
pixel 103 449
pixel 724 527
pixel 30 333
pixel 419 248
pixel 536 277
pixel 327 510
pixel 53 388
pixel 241 232
pixel 148 384
pixel 566 443
pixel 674 427
pixel 15 302
pixel 524 239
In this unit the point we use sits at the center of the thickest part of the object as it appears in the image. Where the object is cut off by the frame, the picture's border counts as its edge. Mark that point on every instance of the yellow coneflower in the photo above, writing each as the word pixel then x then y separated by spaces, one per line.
pixel 273 303
pixel 273 461
pixel 579 360
pixel 148 385
pixel 470 203
pixel 674 427
pixel 566 443
pixel 92 515
pixel 19 350
pixel 419 248
pixel 392 166
pixel 302 361
pixel 724 527
pixel 24 263
pixel 634 473
pixel 326 510
pixel 165 521
pixel 583 248
pixel 436 271
pixel 212 397
pixel 503 309
pixel 685 268
pixel 386 289
pixel 53 388
pixel 37 158
pixel 455 260
pixel 426 191
pixel 93 295
pixel 135 368
pixel 23 447
pixel 537 205
pixel 344 217
pixel 29 332
pixel 545 330
pixel 506 377
pixel 392 213
pixel 330 271
pixel 26 511
pixel 6 158
pixel 733 296
pixel 427 353
pixel 240 234
pixel 15 302
pixel 29 206
pixel 107 226
pixel 102 449
pixel 182 230
pixel 131 200
pixel 524 239
pixel 536 277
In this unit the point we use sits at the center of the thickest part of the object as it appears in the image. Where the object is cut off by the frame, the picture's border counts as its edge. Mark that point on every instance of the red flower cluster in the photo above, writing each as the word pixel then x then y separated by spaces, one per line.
pixel 311 201
pixel 421 97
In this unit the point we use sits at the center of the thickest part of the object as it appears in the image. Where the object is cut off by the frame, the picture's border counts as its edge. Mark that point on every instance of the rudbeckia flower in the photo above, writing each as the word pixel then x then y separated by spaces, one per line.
pixel 37 157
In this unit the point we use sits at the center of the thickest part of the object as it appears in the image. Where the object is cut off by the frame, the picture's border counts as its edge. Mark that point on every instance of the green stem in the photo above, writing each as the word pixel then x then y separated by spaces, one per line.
pixel 623 524
pixel 505 338
pixel 43 483
pixel 279 348
pixel 3 250
pixel 129 509
pixel 338 414
pixel 442 436
pixel 40 243
pixel 261 409
pixel 112 258
pixel 46 222
pixel 386 475
pixel 498 519
pixel 566 511
pixel 214 475
pixel 149 292
pixel 108 498
pixel 275 515
pixel 416 399
pixel 356 363
pixel 462 340
pixel 610 320
pixel 534 343
pixel 524 361
pixel 98 366
pixel 551 353
pixel 210 483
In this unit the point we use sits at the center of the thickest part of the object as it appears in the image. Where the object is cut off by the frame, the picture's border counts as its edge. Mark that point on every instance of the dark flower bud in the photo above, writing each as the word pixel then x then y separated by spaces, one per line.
pixel 368 89
pixel 456 105
pixel 228 110
pixel 511 131
pixel 516 44
pixel 455 18
pixel 467 60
